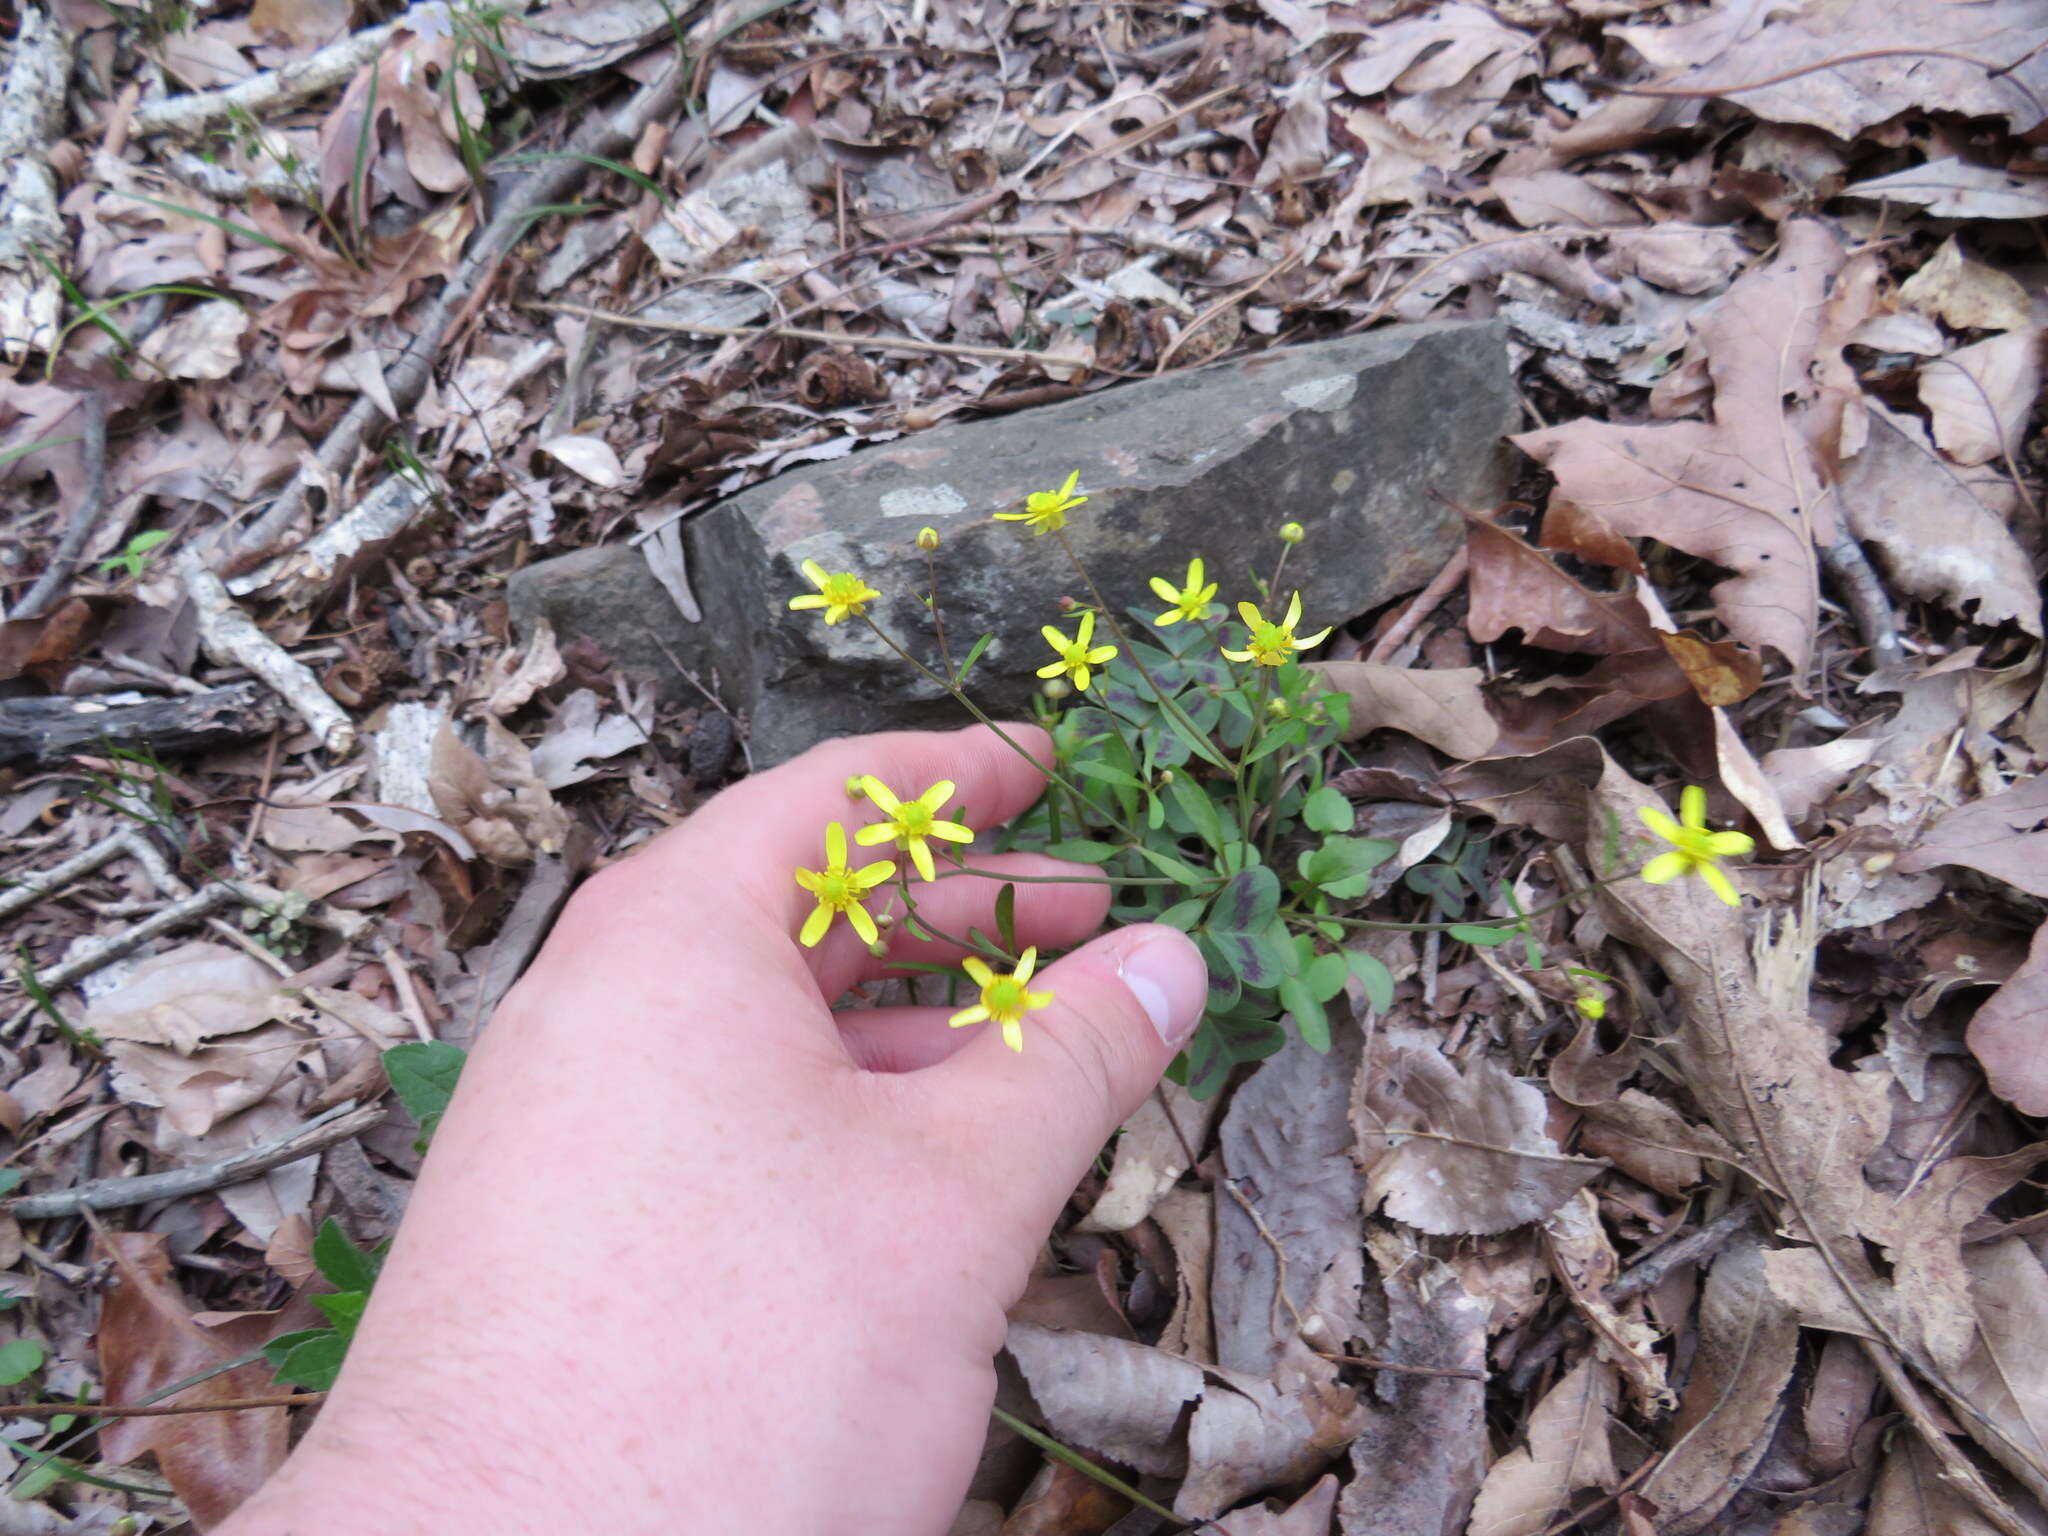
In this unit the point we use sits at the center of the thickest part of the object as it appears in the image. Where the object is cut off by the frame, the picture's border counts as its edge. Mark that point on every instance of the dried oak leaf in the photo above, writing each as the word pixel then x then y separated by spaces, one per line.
pixel 1529 1488
pixel 1446 708
pixel 188 995
pixel 1745 490
pixel 2009 1033
pixel 1151 1155
pixel 148 1340
pixel 1449 1151
pixel 2004 836
pixel 1981 396
pixel 495 799
pixel 1968 295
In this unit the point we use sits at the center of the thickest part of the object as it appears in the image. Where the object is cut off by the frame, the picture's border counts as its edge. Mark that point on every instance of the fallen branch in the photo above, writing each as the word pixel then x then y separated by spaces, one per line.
pixel 830 338
pixel 407 376
pixel 1857 582
pixel 231 638
pixel 305 577
pixel 339 1124
pixel 31 120
pixel 47 730
pixel 196 112
pixel 158 1410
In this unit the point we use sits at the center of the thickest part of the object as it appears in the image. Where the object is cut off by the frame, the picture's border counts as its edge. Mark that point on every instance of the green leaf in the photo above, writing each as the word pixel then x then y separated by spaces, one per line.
pixel 1325 976
pixel 1327 810
pixel 423 1075
pixel 1167 865
pixel 1108 775
pixel 1081 850
pixel 1006 918
pixel 1248 902
pixel 344 1310
pixel 1441 884
pixel 1308 1013
pixel 1196 743
pixel 1200 810
pixel 1223 1042
pixel 19 1360
pixel 973 655
pixel 1343 866
pixel 1183 914
pixel 1484 938
pixel 10 1180
pixel 344 1266
pixel 314 1361
pixel 1374 976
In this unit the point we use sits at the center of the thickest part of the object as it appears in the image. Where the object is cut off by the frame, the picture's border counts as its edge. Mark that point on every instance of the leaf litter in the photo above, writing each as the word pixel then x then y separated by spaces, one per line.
pixel 1660 1216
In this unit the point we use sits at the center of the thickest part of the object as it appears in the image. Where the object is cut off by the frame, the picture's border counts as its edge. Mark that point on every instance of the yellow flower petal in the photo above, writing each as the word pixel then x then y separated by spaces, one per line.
pixel 1719 883
pixel 862 923
pixel 809 879
pixel 1729 845
pixel 951 831
pixel 808 600
pixel 921 856
pixel 881 794
pixel 975 1015
pixel 937 795
pixel 815 572
pixel 1315 639
pixel 1659 823
pixel 1293 612
pixel 1013 1034
pixel 815 925
pixel 1165 589
pixel 1249 614
pixel 978 968
pixel 880 832
pixel 1052 669
pixel 1665 867
pixel 1026 964
pixel 835 843
pixel 1692 807
pixel 1236 655
pixel 874 874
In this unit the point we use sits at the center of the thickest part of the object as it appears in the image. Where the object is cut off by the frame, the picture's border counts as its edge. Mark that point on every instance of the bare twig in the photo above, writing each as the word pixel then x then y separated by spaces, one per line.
pixel 163 677
pixel 231 637
pixel 84 517
pixel 1991 71
pixel 298 81
pixel 159 1410
pixel 322 1131
pixel 1689 1249
pixel 1857 581
pixel 307 576
pixel 1373 1363
pixel 406 375
pixel 34 888
pixel 830 338
pixel 1425 603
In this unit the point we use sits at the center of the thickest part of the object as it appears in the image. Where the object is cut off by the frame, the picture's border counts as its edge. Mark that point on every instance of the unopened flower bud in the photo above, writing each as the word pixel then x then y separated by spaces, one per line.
pixel 879 949
pixel 1067 604
pixel 1055 688
pixel 1165 777
pixel 885 920
pixel 1277 708
pixel 1292 533
pixel 927 539
pixel 853 787
pixel 1592 1005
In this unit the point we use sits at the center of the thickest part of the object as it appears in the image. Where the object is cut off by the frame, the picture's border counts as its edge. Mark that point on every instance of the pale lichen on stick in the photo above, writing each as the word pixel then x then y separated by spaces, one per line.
pixel 231 638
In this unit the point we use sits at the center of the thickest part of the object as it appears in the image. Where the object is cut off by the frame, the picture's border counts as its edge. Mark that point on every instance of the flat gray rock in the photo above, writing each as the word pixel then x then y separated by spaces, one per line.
pixel 1370 442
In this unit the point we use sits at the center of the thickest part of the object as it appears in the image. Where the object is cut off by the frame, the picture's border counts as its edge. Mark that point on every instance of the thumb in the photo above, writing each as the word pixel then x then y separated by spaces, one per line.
pixel 1121 1008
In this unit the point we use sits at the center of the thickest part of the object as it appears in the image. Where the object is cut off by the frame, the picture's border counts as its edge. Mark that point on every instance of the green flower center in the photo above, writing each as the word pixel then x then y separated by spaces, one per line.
pixel 1695 844
pixel 845 590
pixel 915 819
pixel 1004 998
pixel 837 890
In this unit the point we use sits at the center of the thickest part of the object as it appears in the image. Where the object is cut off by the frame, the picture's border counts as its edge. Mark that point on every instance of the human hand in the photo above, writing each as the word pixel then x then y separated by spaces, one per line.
pixel 694 1253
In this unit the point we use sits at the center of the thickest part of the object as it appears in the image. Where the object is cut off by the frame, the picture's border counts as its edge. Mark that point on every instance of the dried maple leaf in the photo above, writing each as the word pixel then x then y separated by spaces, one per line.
pixel 1745 490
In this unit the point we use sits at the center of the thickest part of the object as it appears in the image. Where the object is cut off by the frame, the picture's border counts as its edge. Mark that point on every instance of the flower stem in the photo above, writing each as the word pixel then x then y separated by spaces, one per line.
pixel 931 567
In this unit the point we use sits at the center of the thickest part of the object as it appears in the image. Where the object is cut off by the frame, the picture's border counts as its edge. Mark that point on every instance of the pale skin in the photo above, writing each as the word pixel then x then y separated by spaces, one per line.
pixel 695 1253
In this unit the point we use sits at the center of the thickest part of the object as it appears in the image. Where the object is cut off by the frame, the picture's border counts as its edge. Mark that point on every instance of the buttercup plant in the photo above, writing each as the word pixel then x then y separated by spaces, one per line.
pixel 1187 769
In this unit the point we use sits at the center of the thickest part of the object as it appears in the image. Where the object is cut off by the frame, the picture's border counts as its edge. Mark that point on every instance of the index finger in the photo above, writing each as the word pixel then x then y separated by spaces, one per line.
pixel 750 839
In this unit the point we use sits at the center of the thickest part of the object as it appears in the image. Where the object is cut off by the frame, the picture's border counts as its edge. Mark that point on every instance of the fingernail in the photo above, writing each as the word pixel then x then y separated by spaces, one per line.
pixel 1166 975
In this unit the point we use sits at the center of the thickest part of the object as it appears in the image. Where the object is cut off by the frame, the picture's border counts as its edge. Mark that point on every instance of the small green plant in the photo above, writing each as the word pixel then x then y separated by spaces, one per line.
pixel 423 1074
pixel 311 1358
pixel 1188 769
pixel 136 554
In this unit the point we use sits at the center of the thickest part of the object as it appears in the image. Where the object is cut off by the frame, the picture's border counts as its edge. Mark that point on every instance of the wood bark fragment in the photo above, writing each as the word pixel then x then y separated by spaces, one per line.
pixel 231 638
pixel 31 120
pixel 47 730
pixel 306 576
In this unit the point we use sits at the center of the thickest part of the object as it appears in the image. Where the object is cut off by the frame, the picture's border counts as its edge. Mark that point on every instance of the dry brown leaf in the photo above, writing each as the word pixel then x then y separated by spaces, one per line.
pixel 1151 1155
pixel 1951 188
pixel 580 736
pixel 1308 1515
pixel 1447 68
pixel 1981 396
pixel 1938 539
pixel 495 799
pixel 2009 1033
pixel 203 343
pixel 1804 777
pixel 1913 53
pixel 188 995
pixel 1838 1403
pixel 1746 489
pixel 1720 671
pixel 2006 1373
pixel 1967 295
pixel 1286 1143
pixel 591 457
pixel 2004 836
pixel 1539 198
pixel 1913 1498
pixel 1748 1340
pixel 148 1340
pixel 1583 1259
pixel 196 1091
pixel 1568 1449
pixel 1188 1219
pixel 1446 708
pixel 1420 1455
pixel 1516 586
pixel 515 677
pixel 1482 1161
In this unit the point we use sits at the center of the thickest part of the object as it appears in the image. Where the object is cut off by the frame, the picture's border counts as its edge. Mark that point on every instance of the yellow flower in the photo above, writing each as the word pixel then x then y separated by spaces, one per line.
pixel 1292 533
pixel 911 822
pixel 1046 511
pixel 1694 849
pixel 1591 1004
pixel 1190 602
pixel 1005 999
pixel 1274 645
pixel 839 593
pixel 840 889
pixel 1075 656
pixel 927 539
